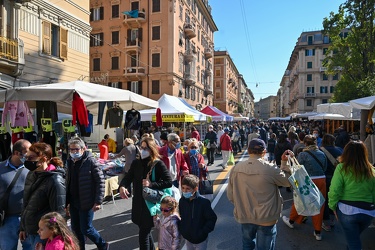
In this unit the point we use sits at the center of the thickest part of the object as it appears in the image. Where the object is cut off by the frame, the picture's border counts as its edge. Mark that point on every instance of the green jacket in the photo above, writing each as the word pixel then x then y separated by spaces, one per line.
pixel 345 187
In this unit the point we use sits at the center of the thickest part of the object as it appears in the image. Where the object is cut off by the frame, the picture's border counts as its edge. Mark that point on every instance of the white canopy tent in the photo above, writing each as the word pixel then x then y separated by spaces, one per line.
pixel 344 109
pixel 62 94
pixel 367 106
pixel 325 116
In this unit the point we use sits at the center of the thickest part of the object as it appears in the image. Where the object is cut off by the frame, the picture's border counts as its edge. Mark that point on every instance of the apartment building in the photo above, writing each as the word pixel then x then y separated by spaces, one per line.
pixel 43 41
pixel 154 47
pixel 227 85
pixel 266 108
pixel 245 97
pixel 305 83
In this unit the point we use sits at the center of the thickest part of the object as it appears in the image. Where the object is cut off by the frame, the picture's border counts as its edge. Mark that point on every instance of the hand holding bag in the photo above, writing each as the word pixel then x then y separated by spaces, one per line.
pixel 306 196
pixel 206 188
pixel 231 159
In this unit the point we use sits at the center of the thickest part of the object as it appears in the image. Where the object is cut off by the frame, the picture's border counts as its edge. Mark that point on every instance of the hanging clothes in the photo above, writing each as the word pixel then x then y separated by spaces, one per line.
pixel 19 113
pixel 90 128
pixel 101 108
pixel 51 139
pixel 132 119
pixel 29 133
pixel 79 110
pixel 114 117
pixel 46 109
pixel 5 142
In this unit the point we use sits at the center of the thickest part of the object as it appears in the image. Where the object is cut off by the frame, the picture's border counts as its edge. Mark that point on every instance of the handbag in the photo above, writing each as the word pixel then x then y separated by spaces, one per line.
pixel 4 200
pixel 231 159
pixel 307 197
pixel 206 188
pixel 330 157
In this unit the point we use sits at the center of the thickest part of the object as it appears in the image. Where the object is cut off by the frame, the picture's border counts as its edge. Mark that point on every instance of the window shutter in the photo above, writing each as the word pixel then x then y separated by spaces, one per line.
pixel 129 86
pixel 139 87
pixel 101 35
pixel 109 84
pixel 129 36
pixel 120 85
pixel 63 43
pixel 101 13
pixel 140 34
pixel 91 15
pixel 47 38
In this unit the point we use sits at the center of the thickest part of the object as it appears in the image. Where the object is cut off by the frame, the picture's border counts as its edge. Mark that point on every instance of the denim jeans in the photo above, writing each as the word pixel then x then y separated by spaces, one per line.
pixel 271 156
pixel 263 237
pixel 9 233
pixel 81 222
pixel 353 225
pixel 31 240
pixel 199 246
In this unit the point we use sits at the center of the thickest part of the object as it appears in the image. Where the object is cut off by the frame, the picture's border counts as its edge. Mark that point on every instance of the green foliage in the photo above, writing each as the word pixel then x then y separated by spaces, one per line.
pixel 240 108
pixel 352 34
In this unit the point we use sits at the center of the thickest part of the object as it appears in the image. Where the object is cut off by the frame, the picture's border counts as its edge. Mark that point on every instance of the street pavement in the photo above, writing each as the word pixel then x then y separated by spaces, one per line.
pixel 114 223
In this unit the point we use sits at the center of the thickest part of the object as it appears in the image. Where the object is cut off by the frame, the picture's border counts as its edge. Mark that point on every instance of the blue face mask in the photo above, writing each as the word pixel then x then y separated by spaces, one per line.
pixel 193 151
pixel 23 158
pixel 187 195
pixel 178 145
pixel 76 155
pixel 185 148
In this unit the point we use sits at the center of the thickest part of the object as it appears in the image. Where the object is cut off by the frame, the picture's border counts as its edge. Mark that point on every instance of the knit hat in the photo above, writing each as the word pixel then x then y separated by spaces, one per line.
pixel 257 145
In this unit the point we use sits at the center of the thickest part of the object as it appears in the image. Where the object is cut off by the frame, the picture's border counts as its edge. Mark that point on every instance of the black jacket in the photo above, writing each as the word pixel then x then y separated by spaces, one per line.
pixel 90 182
pixel 44 192
pixel 197 218
pixel 138 171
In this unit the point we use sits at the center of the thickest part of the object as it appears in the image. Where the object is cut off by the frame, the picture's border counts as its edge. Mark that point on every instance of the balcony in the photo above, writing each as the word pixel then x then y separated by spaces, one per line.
pixel 207 91
pixel 310 95
pixel 189 31
pixel 12 59
pixel 135 72
pixel 133 46
pixel 322 69
pixel 208 72
pixel 189 56
pixel 189 79
pixel 208 53
pixel 135 21
pixel 231 80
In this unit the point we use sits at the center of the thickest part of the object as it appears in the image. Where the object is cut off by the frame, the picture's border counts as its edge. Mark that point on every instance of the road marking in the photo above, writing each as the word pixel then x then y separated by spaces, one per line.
pixel 223 175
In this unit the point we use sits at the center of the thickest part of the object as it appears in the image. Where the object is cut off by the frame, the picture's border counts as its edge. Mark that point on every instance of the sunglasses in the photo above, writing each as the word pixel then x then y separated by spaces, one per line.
pixel 165 210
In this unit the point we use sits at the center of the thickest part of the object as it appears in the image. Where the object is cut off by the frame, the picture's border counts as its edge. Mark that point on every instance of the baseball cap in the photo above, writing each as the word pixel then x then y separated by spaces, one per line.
pixel 257 144
pixel 226 130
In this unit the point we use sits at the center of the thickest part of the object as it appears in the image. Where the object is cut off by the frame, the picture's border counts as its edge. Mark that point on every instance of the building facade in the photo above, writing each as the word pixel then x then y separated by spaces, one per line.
pixel 43 42
pixel 245 98
pixel 266 108
pixel 305 83
pixel 154 47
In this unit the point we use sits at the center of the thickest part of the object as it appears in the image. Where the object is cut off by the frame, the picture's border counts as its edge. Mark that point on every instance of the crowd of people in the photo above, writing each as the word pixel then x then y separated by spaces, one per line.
pixel 47 191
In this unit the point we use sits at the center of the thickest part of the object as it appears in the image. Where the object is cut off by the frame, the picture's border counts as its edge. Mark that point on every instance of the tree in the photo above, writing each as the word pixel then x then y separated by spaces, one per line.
pixel 240 108
pixel 352 51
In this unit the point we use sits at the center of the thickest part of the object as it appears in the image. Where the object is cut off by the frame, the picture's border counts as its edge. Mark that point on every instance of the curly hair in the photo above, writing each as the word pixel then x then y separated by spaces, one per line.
pixel 171 203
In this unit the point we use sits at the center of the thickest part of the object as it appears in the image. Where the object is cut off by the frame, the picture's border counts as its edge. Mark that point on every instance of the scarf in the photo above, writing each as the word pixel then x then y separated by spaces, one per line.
pixel 311 147
pixel 194 164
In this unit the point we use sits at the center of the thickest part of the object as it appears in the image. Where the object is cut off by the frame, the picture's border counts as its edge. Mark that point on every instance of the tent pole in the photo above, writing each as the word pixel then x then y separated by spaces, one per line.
pixel 184 131
pixel 363 123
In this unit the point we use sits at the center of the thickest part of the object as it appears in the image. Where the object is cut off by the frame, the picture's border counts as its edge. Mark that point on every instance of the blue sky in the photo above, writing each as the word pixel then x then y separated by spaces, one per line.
pixel 273 28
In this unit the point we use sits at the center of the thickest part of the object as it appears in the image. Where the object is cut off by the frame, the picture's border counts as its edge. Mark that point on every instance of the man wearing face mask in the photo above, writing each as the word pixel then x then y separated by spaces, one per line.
pixel 211 136
pixel 84 193
pixel 173 158
pixel 8 170
pixel 318 139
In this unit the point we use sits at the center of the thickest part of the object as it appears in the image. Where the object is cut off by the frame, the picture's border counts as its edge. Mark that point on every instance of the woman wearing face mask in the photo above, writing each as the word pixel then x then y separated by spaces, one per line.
pixel 44 191
pixel 195 161
pixel 137 175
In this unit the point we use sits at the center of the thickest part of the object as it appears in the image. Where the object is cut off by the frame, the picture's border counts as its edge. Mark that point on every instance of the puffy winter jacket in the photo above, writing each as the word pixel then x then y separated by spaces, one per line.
pixel 90 181
pixel 44 192
pixel 169 236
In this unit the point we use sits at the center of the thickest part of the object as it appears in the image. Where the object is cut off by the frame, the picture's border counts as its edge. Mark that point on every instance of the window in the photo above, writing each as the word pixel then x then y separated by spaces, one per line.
pixel 134 5
pixel 115 11
pixel 325 39
pixel 310 52
pixel 309 77
pixel 133 60
pixel 324 101
pixel 96 63
pixel 156 60
pixel 198 75
pixel 217 84
pixel 331 89
pixel 117 85
pixel 135 86
pixel 155 87
pixel 309 65
pixel 325 51
pixel 310 90
pixel 115 61
pixel 310 40
pixel 335 76
pixel 323 89
pixel 325 77
pixel 155 5
pixel 55 41
pixel 181 63
pixel 96 40
pixel 181 12
pixel 309 102
pixel 187 92
pixel 115 37
pixel 156 33
pixel 217 72
pixel 97 14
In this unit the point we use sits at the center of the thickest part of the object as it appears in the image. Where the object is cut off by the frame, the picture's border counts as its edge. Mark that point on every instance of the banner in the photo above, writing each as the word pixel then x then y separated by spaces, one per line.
pixel 175 118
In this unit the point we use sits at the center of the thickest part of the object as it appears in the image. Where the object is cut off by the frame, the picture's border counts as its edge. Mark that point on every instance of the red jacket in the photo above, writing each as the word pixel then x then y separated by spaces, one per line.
pixel 195 134
pixel 203 172
pixel 79 111
pixel 180 161
pixel 225 142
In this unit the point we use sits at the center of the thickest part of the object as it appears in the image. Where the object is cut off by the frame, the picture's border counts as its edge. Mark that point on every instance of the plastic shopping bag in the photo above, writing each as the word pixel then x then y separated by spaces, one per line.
pixel 204 150
pixel 306 196
pixel 231 159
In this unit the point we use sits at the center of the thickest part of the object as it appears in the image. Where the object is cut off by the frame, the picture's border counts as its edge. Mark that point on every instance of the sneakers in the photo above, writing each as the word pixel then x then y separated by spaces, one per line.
pixel 286 221
pixel 223 166
pixel 327 228
pixel 318 236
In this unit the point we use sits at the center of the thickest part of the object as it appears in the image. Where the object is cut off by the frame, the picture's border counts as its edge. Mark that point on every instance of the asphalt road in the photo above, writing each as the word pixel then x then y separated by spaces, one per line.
pixel 114 224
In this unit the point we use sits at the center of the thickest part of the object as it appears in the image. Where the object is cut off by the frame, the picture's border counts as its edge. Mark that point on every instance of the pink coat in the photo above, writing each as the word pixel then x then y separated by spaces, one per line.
pixel 19 113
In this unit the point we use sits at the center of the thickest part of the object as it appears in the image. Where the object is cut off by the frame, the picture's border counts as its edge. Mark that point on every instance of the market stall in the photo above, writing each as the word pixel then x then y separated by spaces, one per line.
pixel 217 114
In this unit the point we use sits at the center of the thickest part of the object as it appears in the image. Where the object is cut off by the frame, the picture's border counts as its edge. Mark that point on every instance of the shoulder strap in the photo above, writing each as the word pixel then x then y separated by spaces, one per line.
pixel 329 155
pixel 152 171
pixel 316 159
pixel 4 200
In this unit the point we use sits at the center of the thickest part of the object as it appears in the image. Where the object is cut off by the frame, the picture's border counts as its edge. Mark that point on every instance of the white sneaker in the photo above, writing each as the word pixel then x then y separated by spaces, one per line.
pixel 286 221
pixel 318 236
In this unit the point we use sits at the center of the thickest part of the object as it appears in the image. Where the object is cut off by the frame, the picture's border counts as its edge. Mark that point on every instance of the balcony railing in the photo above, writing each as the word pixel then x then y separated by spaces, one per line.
pixel 208 53
pixel 8 49
pixel 310 95
pixel 135 71
pixel 189 30
pixel 133 46
pixel 190 79
pixel 135 20
pixel 12 58
pixel 189 55
pixel 323 69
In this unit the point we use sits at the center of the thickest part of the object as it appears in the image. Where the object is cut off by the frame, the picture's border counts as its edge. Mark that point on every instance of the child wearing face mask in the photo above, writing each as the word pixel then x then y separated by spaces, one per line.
pixel 167 223
pixel 198 219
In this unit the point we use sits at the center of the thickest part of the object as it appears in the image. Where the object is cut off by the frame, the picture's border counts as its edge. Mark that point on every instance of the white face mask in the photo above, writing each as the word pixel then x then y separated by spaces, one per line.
pixel 144 154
